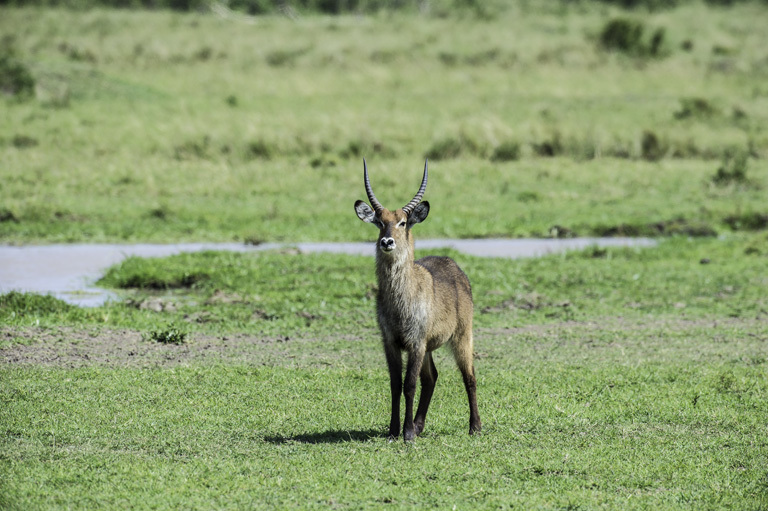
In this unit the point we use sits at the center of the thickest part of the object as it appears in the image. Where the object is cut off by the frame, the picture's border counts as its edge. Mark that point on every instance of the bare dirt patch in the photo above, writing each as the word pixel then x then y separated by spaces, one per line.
pixel 72 348
pixel 629 342
pixel 741 340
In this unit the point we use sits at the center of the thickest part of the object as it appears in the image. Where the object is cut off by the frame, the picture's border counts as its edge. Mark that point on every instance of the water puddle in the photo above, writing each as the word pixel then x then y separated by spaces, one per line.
pixel 68 272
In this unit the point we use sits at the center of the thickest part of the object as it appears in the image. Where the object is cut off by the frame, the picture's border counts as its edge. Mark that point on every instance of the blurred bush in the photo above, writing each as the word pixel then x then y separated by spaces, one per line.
pixel 255 7
pixel 625 35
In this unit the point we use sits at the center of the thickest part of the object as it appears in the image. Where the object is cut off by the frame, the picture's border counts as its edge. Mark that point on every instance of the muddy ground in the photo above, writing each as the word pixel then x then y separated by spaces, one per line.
pixel 740 340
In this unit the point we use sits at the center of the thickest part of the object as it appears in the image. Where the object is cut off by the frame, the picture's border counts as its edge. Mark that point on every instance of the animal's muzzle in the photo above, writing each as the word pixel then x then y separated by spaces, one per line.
pixel 387 244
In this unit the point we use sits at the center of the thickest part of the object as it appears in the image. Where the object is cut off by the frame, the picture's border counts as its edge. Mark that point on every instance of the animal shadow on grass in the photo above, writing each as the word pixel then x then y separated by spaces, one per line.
pixel 328 437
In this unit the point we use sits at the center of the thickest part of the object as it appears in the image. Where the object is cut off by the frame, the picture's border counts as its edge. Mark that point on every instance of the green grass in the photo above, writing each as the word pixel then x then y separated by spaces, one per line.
pixel 172 334
pixel 674 436
pixel 614 378
pixel 607 431
pixel 273 293
pixel 607 378
pixel 160 126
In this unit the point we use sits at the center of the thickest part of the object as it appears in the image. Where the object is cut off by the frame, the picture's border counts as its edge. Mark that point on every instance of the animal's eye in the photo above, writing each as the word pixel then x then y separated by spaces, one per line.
pixel 401 224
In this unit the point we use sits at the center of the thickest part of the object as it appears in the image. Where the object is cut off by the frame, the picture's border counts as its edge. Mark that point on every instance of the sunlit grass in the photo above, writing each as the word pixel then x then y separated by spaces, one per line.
pixel 607 378
pixel 165 126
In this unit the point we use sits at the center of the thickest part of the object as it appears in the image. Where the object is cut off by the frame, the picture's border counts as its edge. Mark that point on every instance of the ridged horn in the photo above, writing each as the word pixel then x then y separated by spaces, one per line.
pixel 371 197
pixel 408 208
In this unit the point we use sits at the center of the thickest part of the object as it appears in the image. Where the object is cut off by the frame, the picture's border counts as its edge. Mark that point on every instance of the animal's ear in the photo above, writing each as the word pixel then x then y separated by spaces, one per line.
pixel 364 211
pixel 419 214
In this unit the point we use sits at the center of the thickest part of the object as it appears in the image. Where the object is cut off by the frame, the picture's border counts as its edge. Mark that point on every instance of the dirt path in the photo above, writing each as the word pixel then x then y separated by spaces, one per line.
pixel 617 339
pixel 71 348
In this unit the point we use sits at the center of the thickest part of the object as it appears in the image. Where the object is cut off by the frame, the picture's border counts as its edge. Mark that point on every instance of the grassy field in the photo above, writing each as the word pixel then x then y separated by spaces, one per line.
pixel 163 126
pixel 607 378
pixel 610 378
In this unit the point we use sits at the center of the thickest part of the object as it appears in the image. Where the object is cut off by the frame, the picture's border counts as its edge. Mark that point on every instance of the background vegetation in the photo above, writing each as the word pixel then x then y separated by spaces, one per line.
pixel 335 7
pixel 161 126
pixel 608 378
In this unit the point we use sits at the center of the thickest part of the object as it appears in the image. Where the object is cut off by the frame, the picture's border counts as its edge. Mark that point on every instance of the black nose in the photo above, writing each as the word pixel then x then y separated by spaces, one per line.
pixel 387 243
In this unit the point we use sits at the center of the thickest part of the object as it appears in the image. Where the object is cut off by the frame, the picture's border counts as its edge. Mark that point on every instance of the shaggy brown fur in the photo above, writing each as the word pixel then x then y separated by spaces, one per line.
pixel 421 305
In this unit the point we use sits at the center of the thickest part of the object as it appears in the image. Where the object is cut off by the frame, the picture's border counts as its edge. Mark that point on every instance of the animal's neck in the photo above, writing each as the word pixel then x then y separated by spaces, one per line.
pixel 395 272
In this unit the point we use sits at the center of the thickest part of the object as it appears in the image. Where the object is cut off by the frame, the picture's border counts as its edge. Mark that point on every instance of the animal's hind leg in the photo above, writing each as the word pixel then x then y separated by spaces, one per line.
pixel 428 380
pixel 463 351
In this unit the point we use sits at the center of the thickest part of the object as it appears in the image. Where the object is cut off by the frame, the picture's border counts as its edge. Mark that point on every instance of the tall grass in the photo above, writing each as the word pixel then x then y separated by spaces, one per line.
pixel 167 126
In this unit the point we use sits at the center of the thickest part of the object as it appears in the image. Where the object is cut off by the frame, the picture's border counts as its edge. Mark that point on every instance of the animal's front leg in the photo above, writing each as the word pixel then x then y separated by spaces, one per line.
pixel 415 360
pixel 395 366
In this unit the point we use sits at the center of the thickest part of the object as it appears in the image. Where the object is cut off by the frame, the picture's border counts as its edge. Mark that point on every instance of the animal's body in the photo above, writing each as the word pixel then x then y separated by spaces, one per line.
pixel 421 305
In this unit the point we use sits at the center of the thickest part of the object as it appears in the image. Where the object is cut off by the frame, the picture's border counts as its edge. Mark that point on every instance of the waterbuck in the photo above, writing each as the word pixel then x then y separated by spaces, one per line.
pixel 421 305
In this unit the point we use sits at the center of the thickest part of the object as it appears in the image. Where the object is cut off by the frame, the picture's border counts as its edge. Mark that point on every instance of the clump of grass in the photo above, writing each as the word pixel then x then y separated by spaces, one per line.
pixel 77 54
pixel 758 246
pixel 722 51
pixel 455 146
pixel 696 108
pixel 529 196
pixel 384 56
pixel 622 34
pixel 561 232
pixel 285 58
pixel 739 115
pixel 172 334
pixel 203 54
pixel 651 5
pixel 445 149
pixel 193 149
pixel 725 382
pixel 483 57
pixel 625 35
pixel 448 58
pixel 656 44
pixel 140 273
pixel 16 80
pixel 184 280
pixel 551 147
pixel 7 215
pixel 733 169
pixel 675 227
pixel 322 161
pixel 684 227
pixel 259 149
pixel 359 147
pixel 161 212
pixel 16 304
pixel 509 150
pixel 23 141
pixel 750 221
pixel 651 148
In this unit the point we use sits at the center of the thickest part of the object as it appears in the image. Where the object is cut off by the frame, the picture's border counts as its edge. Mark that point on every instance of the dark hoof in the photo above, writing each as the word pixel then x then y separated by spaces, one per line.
pixel 475 429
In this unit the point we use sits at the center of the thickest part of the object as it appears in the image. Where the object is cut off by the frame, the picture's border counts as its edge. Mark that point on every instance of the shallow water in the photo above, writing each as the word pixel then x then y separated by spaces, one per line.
pixel 69 271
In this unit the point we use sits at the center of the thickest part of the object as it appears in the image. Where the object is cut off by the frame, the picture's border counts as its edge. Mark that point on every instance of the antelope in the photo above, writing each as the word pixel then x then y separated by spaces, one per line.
pixel 420 306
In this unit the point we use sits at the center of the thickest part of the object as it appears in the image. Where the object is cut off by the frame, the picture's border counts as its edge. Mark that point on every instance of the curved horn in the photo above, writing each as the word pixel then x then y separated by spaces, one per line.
pixel 371 197
pixel 408 208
